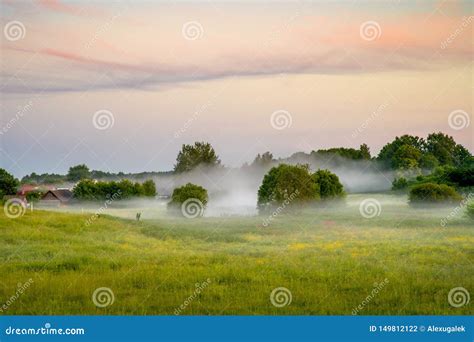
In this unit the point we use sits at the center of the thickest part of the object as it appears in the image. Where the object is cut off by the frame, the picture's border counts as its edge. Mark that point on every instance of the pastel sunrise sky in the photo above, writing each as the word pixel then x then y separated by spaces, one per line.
pixel 122 85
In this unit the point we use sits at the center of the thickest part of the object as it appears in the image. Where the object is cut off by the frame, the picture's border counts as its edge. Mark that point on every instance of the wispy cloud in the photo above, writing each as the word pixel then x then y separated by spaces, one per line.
pixel 156 54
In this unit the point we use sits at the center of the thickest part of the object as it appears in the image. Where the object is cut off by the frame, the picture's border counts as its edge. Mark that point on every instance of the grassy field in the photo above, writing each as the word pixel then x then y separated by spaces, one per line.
pixel 330 259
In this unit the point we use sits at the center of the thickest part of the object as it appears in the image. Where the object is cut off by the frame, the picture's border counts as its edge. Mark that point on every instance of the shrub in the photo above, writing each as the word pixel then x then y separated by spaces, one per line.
pixel 149 188
pixel 399 183
pixel 191 192
pixel 287 183
pixel 90 190
pixel 34 196
pixel 433 193
pixel 329 184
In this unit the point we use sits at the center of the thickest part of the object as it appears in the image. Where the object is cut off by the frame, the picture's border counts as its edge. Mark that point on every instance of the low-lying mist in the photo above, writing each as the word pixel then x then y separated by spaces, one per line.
pixel 233 191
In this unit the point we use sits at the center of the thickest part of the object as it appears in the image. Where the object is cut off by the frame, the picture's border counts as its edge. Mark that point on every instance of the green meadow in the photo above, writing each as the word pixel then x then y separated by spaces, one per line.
pixel 329 257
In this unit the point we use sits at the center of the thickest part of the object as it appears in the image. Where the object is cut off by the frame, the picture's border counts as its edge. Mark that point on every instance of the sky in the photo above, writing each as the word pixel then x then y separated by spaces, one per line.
pixel 121 85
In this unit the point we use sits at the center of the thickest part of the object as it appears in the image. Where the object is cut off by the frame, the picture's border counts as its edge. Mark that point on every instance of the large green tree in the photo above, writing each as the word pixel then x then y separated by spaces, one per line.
pixel 8 183
pixel 287 183
pixel 441 146
pixel 409 145
pixel 78 172
pixel 191 156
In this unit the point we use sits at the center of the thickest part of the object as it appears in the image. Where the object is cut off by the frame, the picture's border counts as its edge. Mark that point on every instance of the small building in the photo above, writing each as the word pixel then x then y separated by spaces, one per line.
pixel 56 197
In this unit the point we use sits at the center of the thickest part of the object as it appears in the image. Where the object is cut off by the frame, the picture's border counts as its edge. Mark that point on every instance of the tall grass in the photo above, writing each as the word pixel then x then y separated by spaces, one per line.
pixel 329 258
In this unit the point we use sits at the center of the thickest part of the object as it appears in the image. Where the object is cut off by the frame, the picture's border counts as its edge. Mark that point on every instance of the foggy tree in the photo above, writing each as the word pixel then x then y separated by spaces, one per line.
pixel 190 192
pixel 90 190
pixel 364 151
pixel 8 183
pixel 191 156
pixel 406 157
pixel 149 188
pixel 442 147
pixel 264 159
pixel 438 149
pixel 78 172
pixel 462 157
pixel 350 153
pixel 45 178
pixel 387 153
pixel 287 182
pixel 433 193
pixel 329 184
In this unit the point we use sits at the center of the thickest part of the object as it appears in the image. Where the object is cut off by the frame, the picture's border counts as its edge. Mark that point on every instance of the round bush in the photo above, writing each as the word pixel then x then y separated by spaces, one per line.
pixel 287 184
pixel 399 183
pixel 433 193
pixel 329 184
pixel 190 193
